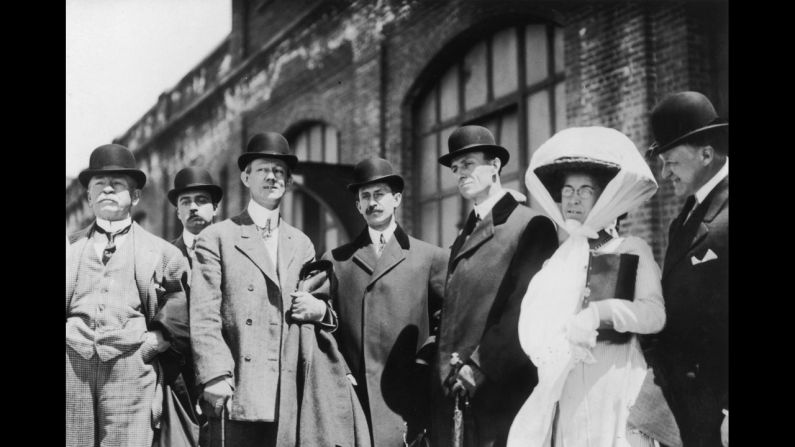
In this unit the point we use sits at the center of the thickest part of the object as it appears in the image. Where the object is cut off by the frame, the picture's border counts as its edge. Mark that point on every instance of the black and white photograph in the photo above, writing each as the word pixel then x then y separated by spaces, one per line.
pixel 397 223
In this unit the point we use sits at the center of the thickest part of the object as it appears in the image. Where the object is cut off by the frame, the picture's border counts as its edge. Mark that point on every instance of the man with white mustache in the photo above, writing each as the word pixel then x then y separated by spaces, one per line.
pixel 121 282
pixel 502 245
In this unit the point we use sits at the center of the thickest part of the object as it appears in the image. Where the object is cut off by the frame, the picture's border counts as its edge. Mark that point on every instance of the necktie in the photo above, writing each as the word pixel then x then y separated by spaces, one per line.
pixel 111 247
pixel 266 231
pixel 380 246
pixel 687 210
pixel 470 224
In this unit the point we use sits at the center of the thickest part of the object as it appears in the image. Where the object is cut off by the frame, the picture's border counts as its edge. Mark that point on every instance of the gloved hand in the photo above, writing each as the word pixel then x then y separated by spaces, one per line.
pixel 306 308
pixel 218 392
pixel 581 328
pixel 724 430
pixel 470 377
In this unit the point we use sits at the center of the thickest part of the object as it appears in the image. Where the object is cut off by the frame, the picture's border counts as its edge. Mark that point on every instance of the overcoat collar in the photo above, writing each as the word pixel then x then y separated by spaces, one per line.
pixel 394 252
pixel 484 229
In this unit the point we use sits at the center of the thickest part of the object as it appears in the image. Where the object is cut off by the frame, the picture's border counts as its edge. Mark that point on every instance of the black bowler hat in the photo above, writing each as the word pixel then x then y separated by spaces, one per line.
pixel 373 170
pixel 267 145
pixel 192 178
pixel 471 138
pixel 112 159
pixel 679 116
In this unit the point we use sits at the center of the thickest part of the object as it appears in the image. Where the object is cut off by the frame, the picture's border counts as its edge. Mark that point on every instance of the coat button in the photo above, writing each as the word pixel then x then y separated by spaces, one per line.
pixel 247 358
pixel 248 322
pixel 251 287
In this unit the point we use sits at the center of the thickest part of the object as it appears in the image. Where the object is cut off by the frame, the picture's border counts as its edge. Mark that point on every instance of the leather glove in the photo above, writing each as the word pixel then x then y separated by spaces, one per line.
pixel 307 308
pixel 218 392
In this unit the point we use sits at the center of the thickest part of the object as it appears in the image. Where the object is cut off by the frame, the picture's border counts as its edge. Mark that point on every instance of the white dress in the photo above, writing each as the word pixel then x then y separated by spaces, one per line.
pixel 596 398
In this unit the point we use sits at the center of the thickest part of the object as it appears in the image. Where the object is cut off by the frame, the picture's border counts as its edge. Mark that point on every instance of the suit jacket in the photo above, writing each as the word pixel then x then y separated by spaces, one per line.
pixel 161 275
pixel 180 243
pixel 487 278
pixel 691 354
pixel 385 306
pixel 237 310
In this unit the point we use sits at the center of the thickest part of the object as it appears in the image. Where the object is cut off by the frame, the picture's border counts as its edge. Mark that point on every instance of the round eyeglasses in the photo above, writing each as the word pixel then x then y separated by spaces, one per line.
pixel 583 192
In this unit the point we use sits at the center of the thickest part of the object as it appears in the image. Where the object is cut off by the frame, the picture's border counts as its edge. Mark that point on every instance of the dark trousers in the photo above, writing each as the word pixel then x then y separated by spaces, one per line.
pixel 238 433
pixel 696 408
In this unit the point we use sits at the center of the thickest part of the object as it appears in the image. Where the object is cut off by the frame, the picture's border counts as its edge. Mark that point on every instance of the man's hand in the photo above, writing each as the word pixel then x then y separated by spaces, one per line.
pixel 218 392
pixel 155 338
pixel 307 308
pixel 469 378
pixel 724 430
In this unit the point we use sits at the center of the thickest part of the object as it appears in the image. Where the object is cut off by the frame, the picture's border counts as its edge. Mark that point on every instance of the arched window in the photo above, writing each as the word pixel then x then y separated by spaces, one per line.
pixel 313 142
pixel 511 82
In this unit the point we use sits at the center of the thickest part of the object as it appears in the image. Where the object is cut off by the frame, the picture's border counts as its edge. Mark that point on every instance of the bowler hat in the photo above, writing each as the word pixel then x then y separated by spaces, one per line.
pixel 553 174
pixel 192 178
pixel 372 170
pixel 267 145
pixel 472 138
pixel 112 159
pixel 679 116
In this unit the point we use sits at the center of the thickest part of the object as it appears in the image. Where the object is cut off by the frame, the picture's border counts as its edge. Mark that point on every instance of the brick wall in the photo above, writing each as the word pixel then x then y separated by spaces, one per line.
pixel 358 66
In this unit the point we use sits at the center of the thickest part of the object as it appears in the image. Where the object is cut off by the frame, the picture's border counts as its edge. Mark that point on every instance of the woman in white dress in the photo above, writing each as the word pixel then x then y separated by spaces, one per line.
pixel 584 178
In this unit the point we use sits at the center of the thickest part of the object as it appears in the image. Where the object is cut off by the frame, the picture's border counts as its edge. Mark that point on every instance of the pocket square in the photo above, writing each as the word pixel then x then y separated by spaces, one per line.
pixel 708 256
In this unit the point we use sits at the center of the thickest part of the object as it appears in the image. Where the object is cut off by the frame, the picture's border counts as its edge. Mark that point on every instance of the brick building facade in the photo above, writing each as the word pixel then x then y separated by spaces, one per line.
pixel 346 78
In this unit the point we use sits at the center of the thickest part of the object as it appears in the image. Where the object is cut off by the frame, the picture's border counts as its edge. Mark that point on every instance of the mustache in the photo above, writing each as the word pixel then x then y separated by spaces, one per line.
pixel 371 209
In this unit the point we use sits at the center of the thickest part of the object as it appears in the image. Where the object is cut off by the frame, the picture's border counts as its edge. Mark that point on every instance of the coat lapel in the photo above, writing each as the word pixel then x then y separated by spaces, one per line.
pixel 702 216
pixel 364 256
pixel 483 231
pixel 146 259
pixel 250 243
pixel 79 242
pixel 393 254
pixel 285 255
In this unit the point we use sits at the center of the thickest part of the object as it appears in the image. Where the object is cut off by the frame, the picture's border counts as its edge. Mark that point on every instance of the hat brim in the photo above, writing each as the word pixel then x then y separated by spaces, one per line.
pixel 395 182
pixel 216 193
pixel 137 174
pixel 550 173
pixel 657 149
pixel 498 151
pixel 248 157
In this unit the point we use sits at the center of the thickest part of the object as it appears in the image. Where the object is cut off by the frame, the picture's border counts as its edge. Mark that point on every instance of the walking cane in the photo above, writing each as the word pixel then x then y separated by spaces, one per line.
pixel 458 415
pixel 223 425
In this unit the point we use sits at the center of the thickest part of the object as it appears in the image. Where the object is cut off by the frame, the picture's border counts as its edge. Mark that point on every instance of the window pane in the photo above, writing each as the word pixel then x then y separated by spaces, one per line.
pixel 504 62
pixel 449 97
pixel 300 146
pixel 427 112
pixel 559 57
pixel 430 223
pixel 448 179
pixel 316 143
pixel 451 217
pixel 538 126
pixel 428 165
pixel 509 139
pixel 298 210
pixel 332 154
pixel 332 238
pixel 475 84
pixel 560 106
pixel 536 53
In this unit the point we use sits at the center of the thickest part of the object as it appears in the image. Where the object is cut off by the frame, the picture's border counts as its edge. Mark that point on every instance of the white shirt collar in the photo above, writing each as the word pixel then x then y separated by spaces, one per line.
pixel 116 225
pixel 484 208
pixel 188 238
pixel 260 215
pixel 704 191
pixel 388 232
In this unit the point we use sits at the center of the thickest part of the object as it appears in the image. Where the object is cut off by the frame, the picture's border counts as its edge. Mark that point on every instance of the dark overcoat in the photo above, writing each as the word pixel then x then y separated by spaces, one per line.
pixel 384 307
pixel 488 274
pixel 237 309
pixel 691 355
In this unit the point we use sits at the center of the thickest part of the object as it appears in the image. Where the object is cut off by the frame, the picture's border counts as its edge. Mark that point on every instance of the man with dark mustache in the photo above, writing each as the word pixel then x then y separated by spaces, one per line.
pixel 388 286
pixel 120 282
pixel 196 196
pixel 502 245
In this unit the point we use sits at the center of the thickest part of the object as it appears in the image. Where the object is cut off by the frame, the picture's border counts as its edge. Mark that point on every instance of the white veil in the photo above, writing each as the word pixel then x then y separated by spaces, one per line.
pixel 554 293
